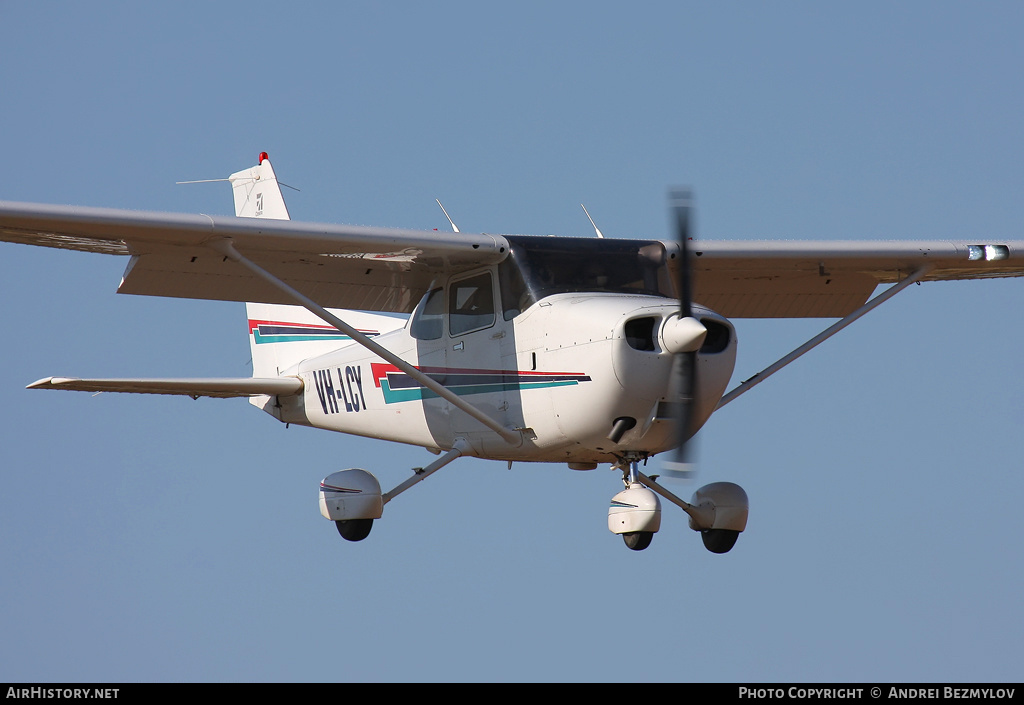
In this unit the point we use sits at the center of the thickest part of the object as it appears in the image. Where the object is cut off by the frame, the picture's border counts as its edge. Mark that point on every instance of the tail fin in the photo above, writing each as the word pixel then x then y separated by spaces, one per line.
pixel 257 193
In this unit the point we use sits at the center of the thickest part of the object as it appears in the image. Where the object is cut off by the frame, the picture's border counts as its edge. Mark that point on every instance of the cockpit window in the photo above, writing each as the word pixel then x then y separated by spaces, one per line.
pixel 470 304
pixel 558 265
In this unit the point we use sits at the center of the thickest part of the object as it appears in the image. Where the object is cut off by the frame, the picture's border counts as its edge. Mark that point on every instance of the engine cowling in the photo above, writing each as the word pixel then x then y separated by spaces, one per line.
pixel 350 494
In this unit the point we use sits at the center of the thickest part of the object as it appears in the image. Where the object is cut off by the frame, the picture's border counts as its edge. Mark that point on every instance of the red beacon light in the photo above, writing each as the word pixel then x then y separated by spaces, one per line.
pixel 263 155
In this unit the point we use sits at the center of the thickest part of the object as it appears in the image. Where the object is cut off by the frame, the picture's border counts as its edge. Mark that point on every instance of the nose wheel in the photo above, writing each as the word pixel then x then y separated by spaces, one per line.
pixel 635 513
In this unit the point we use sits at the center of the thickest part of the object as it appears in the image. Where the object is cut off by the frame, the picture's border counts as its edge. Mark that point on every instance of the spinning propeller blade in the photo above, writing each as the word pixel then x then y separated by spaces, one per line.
pixel 683 386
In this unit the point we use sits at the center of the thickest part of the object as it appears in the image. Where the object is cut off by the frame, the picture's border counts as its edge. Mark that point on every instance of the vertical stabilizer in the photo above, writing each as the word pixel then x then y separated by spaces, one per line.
pixel 257 193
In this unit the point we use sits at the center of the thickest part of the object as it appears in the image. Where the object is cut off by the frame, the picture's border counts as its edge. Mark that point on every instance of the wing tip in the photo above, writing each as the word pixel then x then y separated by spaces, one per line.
pixel 48 382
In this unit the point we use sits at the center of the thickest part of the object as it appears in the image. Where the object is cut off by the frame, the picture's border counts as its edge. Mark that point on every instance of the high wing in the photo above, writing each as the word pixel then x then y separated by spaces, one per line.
pixel 349 267
pixel 816 279
pixel 384 269
pixel 192 387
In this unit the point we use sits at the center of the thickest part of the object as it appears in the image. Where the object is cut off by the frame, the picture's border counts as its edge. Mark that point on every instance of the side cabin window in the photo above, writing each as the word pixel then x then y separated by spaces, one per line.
pixel 470 304
pixel 428 321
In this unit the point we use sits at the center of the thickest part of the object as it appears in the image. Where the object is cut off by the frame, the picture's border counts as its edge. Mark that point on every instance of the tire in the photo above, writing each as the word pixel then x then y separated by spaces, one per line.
pixel 354 529
pixel 719 540
pixel 638 540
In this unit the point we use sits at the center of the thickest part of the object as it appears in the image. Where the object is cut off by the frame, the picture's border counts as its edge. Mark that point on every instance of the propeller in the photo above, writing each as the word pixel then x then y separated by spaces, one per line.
pixel 683 387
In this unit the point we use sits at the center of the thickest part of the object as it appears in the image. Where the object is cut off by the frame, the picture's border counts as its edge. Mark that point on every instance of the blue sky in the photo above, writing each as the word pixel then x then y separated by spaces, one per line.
pixel 151 538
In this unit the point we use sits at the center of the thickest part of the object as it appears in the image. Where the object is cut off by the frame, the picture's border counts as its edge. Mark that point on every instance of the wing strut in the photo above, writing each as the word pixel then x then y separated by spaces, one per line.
pixel 227 248
pixel 748 384
pixel 701 517
pixel 420 474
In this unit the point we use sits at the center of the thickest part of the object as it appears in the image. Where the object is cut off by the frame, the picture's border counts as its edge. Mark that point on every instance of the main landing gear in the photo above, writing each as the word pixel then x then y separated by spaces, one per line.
pixel 352 498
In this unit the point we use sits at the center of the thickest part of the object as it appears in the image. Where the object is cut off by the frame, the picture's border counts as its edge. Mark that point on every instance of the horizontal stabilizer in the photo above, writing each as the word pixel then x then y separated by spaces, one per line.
pixel 195 387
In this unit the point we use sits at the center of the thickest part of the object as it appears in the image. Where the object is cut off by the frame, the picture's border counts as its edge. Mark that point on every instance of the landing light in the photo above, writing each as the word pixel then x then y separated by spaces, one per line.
pixel 988 253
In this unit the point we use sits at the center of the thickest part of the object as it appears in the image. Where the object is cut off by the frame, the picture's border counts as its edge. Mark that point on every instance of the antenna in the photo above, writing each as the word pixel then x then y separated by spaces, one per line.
pixel 210 181
pixel 596 229
pixel 454 226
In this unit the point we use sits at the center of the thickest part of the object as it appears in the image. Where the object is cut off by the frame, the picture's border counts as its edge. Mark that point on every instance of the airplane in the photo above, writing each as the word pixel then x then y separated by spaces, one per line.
pixel 513 348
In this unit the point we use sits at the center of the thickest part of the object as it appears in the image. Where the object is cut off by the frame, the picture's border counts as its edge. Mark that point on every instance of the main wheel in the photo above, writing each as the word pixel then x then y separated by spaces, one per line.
pixel 638 540
pixel 354 529
pixel 719 540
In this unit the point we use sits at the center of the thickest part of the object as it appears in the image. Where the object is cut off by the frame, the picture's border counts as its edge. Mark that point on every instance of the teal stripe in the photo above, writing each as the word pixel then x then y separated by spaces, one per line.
pixel 392 396
pixel 263 339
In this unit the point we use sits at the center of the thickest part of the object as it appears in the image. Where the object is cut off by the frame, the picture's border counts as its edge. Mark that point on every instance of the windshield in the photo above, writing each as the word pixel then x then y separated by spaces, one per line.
pixel 538 267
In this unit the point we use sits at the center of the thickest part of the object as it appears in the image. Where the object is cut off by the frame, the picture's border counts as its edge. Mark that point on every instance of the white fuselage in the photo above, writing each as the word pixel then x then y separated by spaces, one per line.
pixel 562 372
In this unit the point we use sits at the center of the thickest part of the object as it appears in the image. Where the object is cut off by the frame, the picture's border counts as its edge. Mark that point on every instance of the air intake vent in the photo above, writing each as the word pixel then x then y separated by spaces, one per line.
pixel 640 333
pixel 718 336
